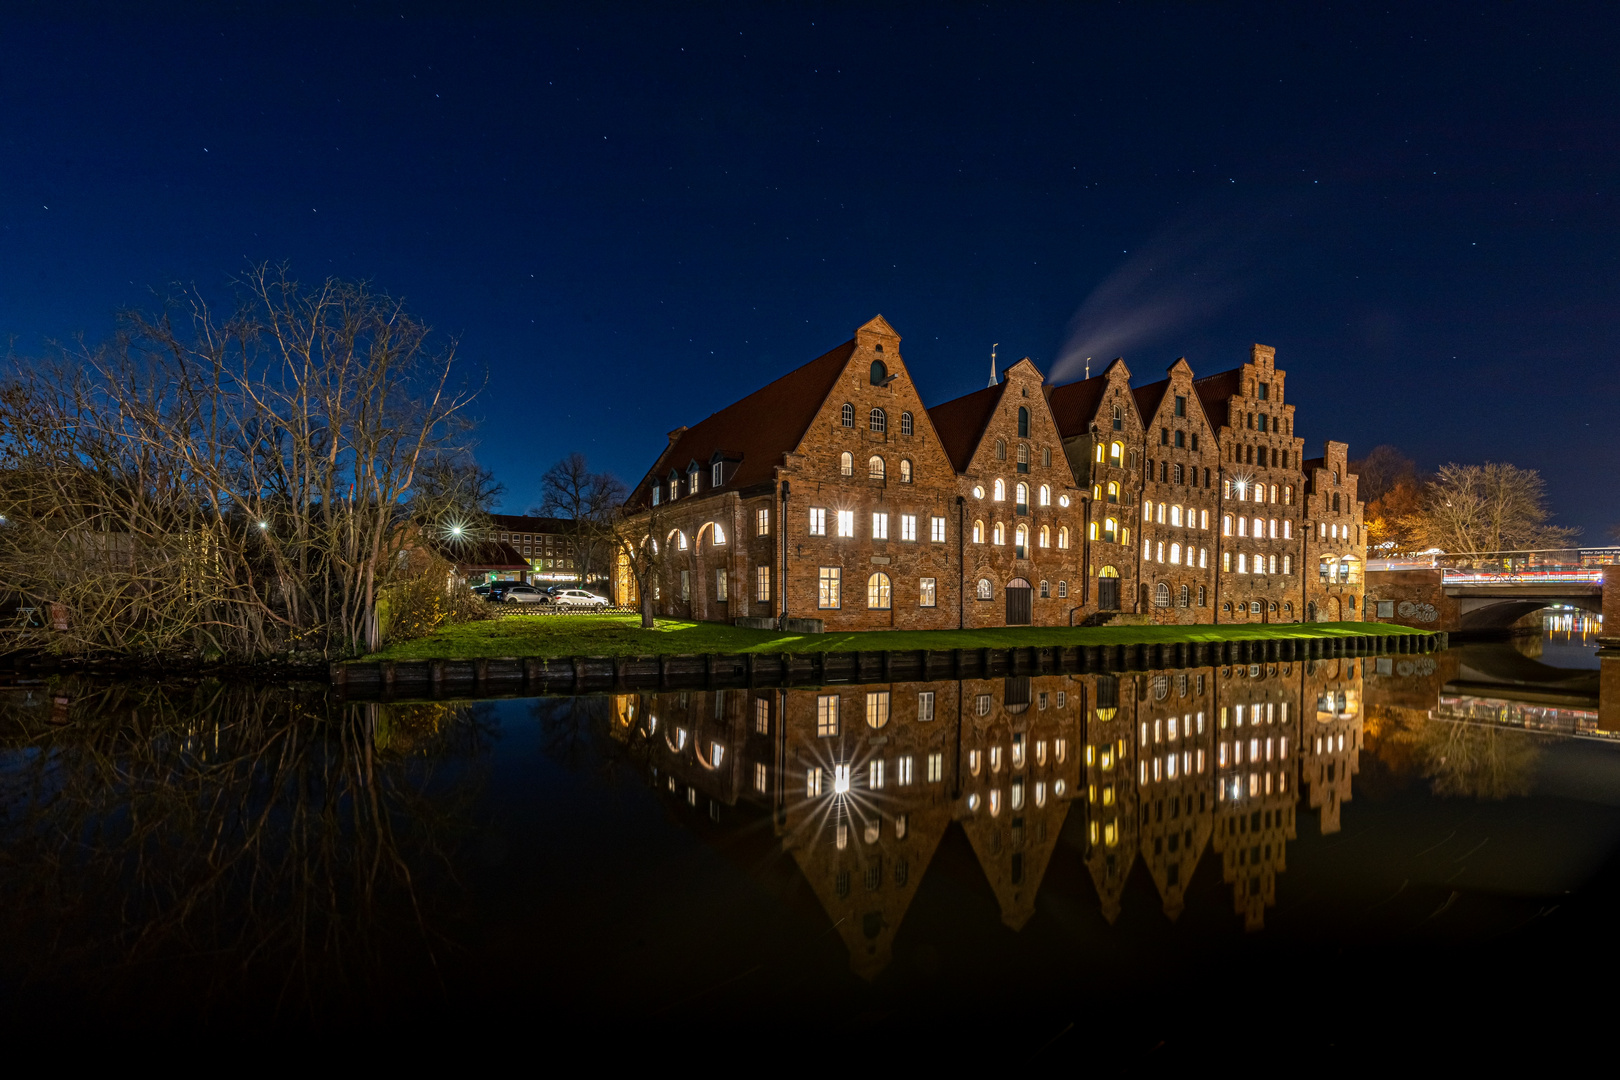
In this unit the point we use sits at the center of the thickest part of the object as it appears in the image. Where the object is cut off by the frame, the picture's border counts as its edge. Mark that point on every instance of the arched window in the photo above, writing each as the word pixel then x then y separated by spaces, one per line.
pixel 1160 556
pixel 998 533
pixel 1046 456
pixel 1159 514
pixel 1023 422
pixel 1203 560
pixel 1186 597
pixel 1226 525
pixel 1023 496
pixel 1175 515
pixel 1091 532
pixel 846 464
pixel 1046 590
pixel 877 421
pixel 719 533
pixel 680 540
pixel 1259 527
pixel 905 470
pixel 1046 536
pixel 1023 457
pixel 879 373
pixel 1113 492
pixel 1203 520
pixel 1021 540
pixel 1243 526
pixel 1116 453
pixel 1111 530
pixel 1161 595
pixel 1096 493
pixel 1175 554
pixel 1288 529
pixel 1271 528
pixel 848 414
pixel 998 490
pixel 984 589
pixel 878 596
pixel 1046 495
pixel 1273 492
pixel 1099 453
pixel 1119 424
pixel 1288 495
pixel 978 532
pixel 1147 510
pixel 1063 536
pixel 1286 568
pixel 874 467
pixel 1001 450
pixel 905 423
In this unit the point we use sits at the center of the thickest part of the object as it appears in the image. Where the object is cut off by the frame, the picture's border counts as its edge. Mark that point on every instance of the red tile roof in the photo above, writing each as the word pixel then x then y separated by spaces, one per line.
pixel 1213 393
pixel 1148 398
pixel 484 555
pixel 960 423
pixel 756 431
pixel 1074 405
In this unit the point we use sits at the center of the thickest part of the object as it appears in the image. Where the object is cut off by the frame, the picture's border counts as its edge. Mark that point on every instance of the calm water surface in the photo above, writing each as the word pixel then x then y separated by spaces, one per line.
pixel 1162 854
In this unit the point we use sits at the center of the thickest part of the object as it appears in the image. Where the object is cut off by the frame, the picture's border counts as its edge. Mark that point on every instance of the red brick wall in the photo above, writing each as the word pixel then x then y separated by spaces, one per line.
pixel 1168 557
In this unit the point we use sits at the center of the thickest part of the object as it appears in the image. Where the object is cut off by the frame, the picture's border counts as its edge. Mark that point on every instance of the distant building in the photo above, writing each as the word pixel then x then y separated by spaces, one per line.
pixel 833 494
pixel 545 545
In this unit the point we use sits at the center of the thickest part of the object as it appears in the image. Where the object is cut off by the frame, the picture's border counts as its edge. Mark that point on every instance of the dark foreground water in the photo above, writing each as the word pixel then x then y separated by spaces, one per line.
pixel 1412 852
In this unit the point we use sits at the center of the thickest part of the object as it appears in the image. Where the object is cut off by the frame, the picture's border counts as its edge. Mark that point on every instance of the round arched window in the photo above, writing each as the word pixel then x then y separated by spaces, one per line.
pixel 984 588
pixel 877 421
pixel 847 413
pixel 879 372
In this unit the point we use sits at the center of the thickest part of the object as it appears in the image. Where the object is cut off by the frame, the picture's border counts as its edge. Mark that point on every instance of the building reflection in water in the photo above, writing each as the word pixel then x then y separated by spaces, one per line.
pixel 862 782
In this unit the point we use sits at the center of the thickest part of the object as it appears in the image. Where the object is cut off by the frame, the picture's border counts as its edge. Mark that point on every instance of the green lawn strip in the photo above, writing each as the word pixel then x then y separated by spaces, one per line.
pixel 621 635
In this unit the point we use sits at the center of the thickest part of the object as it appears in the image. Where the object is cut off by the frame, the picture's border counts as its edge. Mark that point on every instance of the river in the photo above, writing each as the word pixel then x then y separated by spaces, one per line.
pixel 1115 865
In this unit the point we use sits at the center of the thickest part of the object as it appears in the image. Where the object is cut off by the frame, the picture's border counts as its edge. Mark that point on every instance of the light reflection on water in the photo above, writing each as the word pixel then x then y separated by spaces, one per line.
pixel 277 850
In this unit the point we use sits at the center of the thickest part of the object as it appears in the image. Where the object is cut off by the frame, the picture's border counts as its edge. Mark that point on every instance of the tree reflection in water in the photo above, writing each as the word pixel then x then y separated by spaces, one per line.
pixel 272 846
pixel 1463 760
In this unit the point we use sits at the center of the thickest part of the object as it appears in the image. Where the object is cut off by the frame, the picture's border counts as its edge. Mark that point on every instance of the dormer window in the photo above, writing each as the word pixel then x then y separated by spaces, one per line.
pixel 656 492
pixel 716 472
pixel 692 481
pixel 674 487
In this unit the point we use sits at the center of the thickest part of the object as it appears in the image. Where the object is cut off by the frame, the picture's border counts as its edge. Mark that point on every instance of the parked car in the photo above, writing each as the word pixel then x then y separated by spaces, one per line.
pixel 519 593
pixel 481 591
pixel 579 598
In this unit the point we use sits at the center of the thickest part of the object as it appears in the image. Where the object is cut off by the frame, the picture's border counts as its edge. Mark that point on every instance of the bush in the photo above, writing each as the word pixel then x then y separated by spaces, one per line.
pixel 418 605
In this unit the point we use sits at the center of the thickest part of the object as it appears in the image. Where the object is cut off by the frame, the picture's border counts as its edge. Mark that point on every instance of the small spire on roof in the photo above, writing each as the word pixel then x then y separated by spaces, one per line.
pixel 993 363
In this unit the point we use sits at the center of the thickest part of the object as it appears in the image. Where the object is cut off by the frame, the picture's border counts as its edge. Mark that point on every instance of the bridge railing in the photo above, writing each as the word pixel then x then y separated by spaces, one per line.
pixel 1541 575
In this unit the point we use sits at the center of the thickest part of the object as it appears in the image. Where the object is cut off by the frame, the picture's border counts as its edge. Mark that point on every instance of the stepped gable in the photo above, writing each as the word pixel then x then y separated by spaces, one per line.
pixel 960 422
pixel 757 431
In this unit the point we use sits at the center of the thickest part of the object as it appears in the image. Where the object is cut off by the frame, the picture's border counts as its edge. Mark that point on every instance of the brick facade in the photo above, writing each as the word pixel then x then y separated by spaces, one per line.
pixel 834 494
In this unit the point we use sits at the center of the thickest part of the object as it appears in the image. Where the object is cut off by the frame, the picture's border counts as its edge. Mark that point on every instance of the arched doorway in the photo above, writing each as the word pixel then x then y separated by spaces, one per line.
pixel 1108 589
pixel 1019 602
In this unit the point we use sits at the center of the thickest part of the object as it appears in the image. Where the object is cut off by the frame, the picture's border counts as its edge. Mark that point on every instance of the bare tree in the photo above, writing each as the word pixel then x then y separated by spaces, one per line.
pixel 235 485
pixel 586 500
pixel 635 539
pixel 1381 471
pixel 1486 508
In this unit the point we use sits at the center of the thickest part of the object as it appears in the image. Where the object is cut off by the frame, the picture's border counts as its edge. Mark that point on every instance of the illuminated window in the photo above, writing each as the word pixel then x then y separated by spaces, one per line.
pixel 936 768
pixel 1046 495
pixel 1203 562
pixel 812 783
pixel 1091 531
pixel 846 523
pixel 761 776
pixel 908 526
pixel 1175 554
pixel 1243 526
pixel 1175 515
pixel 880 526
pixel 846 464
pixel 902 777
pixel 874 777
pixel 984 589
pixel 1116 451
pixel 877 592
pixel 1023 497
pixel 827 716
pixel 1021 541
pixel 874 467
pixel 998 490
pixel 829 583
pixel 762 521
pixel 762 715
pixel 1046 536
pixel 905 470
pixel 927 592
pixel 716 754
pixel 1285 565
pixel 818 521
pixel 1147 511
pixel 719 533
pixel 998 533
pixel 1113 492
pixel 720 585
pixel 1111 530
pixel 905 423
pixel 1243 563
pixel 936 530
pixel 762 583
pixel 978 532
pixel 1099 453
pixel 840 779
pixel 1063 536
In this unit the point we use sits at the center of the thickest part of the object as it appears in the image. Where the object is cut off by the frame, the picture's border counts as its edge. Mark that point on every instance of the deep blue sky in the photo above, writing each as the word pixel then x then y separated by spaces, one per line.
pixel 631 216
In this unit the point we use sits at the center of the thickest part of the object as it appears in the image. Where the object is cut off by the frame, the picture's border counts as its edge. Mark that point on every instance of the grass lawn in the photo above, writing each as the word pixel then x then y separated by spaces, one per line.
pixel 621 635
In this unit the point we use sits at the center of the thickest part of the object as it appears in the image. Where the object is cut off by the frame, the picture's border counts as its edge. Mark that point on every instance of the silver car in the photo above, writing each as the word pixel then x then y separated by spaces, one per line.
pixel 524 594
pixel 579 598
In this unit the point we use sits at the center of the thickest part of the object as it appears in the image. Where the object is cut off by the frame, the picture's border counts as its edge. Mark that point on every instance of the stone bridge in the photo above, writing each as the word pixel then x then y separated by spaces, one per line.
pixel 1485 601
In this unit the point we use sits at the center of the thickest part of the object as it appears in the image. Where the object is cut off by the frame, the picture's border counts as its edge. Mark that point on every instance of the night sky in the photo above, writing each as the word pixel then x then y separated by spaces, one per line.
pixel 632 216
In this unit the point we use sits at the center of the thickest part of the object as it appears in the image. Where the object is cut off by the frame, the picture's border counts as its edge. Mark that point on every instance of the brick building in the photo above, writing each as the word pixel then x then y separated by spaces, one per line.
pixel 833 494
pixel 1021 511
pixel 1335 549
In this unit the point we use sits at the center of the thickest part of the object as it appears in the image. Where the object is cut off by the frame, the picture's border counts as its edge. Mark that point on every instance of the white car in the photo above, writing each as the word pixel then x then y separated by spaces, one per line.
pixel 578 598
pixel 524 594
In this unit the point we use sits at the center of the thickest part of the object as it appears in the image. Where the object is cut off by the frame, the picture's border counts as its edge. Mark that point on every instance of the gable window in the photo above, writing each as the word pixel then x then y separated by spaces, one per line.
pixel 674 489
pixel 656 492
pixel 1119 419
pixel 1023 422
pixel 905 423
pixel 1023 457
pixel 1181 441
pixel 848 414
pixel 877 421
pixel 999 490
pixel 879 373
pixel 874 467
pixel 1045 495
pixel 905 470
pixel 1116 452
pixel 1001 450
pixel 1181 405
pixel 846 464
